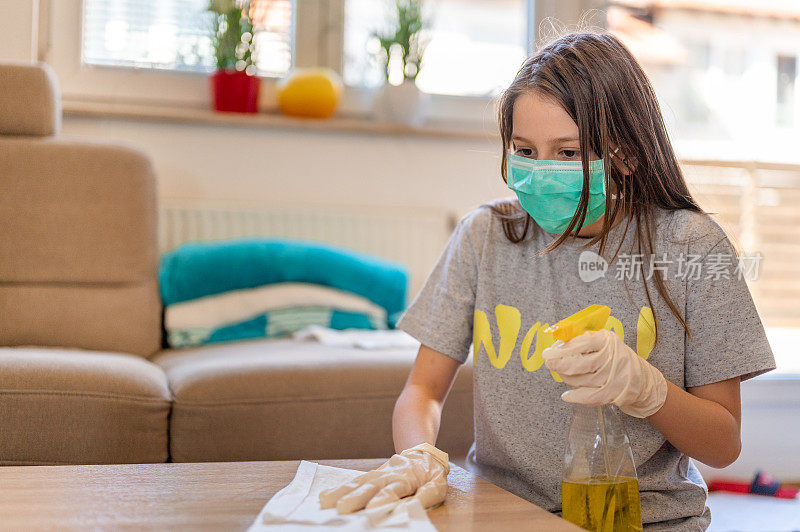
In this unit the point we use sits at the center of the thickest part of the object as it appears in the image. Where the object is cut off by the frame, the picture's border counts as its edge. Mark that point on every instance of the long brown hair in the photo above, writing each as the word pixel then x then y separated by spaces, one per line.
pixel 599 83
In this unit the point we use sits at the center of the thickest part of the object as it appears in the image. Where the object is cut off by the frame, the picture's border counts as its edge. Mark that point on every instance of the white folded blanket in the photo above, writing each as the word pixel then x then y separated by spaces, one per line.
pixel 296 507
pixel 360 338
pixel 238 305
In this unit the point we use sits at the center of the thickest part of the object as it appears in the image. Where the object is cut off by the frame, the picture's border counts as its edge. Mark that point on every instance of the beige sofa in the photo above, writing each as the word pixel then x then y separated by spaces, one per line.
pixel 83 378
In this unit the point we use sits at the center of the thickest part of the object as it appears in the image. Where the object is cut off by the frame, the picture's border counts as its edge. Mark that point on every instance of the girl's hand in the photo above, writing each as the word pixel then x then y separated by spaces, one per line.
pixel 605 370
pixel 420 471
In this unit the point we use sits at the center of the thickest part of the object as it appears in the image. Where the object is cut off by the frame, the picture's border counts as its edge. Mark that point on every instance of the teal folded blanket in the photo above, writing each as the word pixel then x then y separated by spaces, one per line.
pixel 274 323
pixel 198 269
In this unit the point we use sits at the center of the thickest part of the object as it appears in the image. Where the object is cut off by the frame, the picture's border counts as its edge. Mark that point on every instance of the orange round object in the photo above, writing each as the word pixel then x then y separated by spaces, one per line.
pixel 310 93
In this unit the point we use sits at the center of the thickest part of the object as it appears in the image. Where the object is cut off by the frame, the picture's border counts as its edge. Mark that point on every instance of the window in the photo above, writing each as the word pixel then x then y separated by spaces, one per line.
pixel 732 108
pixel 787 73
pixel 693 53
pixel 700 55
pixel 475 47
pixel 175 35
pixel 758 205
pixel 734 62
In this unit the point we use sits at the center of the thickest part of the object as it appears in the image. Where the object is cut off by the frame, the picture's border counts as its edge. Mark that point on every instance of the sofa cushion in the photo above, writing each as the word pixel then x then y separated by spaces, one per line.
pixel 64 406
pixel 30 101
pixel 76 212
pixel 103 317
pixel 79 231
pixel 288 400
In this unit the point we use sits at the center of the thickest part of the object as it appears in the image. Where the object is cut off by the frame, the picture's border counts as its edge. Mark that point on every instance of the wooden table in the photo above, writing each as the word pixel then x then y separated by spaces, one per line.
pixel 219 496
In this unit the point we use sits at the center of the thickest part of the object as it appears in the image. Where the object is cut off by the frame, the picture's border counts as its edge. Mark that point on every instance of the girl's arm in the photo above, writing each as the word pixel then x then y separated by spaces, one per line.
pixel 703 422
pixel 418 410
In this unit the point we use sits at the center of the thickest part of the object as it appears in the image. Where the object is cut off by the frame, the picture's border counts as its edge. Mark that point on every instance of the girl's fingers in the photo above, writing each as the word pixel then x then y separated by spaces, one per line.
pixel 585 344
pixel 391 493
pixel 586 396
pixel 328 498
pixel 577 364
pixel 356 499
pixel 589 341
pixel 433 492
pixel 586 380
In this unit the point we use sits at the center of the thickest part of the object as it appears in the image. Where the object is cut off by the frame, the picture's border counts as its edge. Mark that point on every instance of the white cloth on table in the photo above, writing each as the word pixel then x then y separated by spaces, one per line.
pixel 360 338
pixel 296 507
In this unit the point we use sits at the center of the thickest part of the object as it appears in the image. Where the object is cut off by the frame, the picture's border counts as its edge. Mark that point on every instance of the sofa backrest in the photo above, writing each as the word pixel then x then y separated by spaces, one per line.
pixel 79 250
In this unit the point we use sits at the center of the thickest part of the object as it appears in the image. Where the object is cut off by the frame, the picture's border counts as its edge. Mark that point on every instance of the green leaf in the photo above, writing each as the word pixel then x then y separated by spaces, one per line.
pixel 228 29
pixel 408 25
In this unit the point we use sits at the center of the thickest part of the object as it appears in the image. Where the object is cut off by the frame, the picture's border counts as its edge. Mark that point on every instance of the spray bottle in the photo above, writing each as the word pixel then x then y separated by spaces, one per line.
pixel 599 487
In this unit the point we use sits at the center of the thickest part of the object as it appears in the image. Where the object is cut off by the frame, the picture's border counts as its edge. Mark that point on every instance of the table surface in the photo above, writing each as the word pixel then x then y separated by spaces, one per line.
pixel 220 496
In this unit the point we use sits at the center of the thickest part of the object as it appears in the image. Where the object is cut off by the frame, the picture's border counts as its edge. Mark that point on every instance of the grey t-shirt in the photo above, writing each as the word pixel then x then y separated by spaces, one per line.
pixel 498 296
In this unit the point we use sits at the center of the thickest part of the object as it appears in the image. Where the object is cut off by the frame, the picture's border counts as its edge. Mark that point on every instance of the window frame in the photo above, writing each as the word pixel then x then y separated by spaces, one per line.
pixel 318 36
pixel 61 48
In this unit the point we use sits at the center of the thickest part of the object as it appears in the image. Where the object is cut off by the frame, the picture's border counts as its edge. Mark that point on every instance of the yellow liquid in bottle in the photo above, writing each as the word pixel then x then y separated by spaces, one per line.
pixel 603 505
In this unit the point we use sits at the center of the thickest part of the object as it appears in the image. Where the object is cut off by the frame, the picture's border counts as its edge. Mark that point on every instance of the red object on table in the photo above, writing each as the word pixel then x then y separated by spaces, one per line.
pixel 762 484
pixel 235 91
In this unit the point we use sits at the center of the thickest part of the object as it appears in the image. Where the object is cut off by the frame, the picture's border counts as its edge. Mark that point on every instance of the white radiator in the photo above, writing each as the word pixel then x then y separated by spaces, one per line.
pixel 414 238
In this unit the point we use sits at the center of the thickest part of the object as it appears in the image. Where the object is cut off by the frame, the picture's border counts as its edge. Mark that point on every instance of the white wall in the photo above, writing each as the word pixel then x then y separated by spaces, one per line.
pixel 240 167
pixel 234 164
pixel 19 20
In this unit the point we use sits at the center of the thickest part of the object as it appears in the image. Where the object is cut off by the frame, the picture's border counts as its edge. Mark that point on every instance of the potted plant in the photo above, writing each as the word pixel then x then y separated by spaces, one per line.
pixel 401 51
pixel 234 85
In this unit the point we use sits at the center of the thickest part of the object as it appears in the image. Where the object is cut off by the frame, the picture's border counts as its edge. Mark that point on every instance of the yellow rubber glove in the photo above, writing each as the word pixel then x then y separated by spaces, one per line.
pixel 604 370
pixel 420 471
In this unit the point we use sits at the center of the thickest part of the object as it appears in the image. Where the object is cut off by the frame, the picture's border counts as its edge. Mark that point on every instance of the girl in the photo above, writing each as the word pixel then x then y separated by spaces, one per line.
pixel 602 215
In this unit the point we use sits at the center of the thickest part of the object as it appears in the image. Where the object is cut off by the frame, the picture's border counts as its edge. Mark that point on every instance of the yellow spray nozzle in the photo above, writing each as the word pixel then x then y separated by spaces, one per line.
pixel 592 318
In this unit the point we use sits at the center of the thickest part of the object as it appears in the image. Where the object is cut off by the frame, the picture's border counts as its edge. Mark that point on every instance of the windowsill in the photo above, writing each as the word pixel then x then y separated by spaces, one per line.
pixel 342 124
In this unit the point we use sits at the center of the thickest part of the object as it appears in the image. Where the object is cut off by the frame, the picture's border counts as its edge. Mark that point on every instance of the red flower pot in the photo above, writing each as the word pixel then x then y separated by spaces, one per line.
pixel 235 91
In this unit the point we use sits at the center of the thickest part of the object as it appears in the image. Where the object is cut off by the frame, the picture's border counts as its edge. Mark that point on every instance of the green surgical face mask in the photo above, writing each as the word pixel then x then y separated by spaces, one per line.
pixel 550 191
